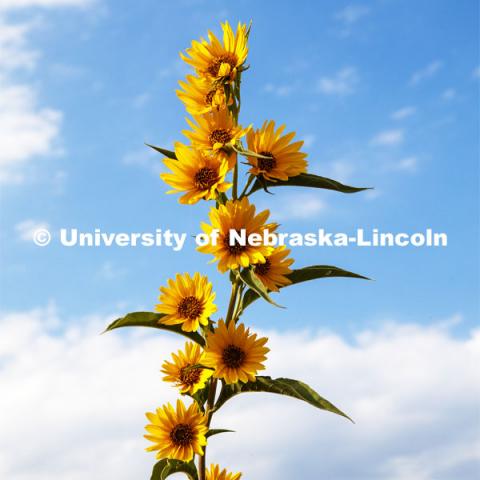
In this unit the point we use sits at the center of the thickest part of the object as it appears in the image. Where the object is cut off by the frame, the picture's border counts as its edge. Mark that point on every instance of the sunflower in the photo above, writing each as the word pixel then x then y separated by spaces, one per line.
pixel 199 174
pixel 188 379
pixel 177 434
pixel 187 301
pixel 214 131
pixel 284 158
pixel 235 353
pixel 200 95
pixel 272 272
pixel 214 473
pixel 216 60
pixel 239 216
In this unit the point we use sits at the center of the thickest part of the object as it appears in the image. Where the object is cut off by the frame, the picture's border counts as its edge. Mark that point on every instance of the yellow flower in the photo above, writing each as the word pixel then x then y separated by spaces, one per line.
pixel 200 95
pixel 214 131
pixel 272 272
pixel 214 473
pixel 189 380
pixel 217 60
pixel 177 434
pixel 235 353
pixel 199 174
pixel 239 216
pixel 187 301
pixel 284 158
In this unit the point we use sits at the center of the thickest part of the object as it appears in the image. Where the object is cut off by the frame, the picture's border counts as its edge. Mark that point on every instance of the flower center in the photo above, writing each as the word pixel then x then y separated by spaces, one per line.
pixel 214 66
pixel 233 356
pixel 189 376
pixel 220 136
pixel 234 249
pixel 182 434
pixel 266 164
pixel 205 178
pixel 190 307
pixel 263 268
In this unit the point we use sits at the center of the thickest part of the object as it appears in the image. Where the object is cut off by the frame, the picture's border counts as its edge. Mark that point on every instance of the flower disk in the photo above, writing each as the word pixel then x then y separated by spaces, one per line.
pixel 216 60
pixel 237 215
pixel 180 372
pixel 199 174
pixel 177 434
pixel 235 353
pixel 214 131
pixel 214 473
pixel 187 301
pixel 284 158
pixel 200 95
pixel 272 272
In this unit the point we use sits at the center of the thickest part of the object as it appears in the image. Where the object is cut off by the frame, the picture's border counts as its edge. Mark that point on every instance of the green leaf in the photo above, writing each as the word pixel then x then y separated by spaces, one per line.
pixel 166 467
pixel 252 281
pixel 303 275
pixel 280 386
pixel 200 398
pixel 163 151
pixel 151 319
pixel 216 431
pixel 307 180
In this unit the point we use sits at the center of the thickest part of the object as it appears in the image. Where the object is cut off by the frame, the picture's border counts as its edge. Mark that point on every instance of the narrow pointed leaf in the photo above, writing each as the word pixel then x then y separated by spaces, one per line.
pixel 305 274
pixel 166 467
pixel 163 151
pixel 252 281
pixel 216 431
pixel 151 319
pixel 280 386
pixel 307 180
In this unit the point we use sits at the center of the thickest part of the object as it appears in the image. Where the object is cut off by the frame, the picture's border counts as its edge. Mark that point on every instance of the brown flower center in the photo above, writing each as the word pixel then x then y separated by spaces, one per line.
pixel 266 164
pixel 205 178
pixel 190 307
pixel 189 376
pixel 234 249
pixel 220 136
pixel 182 434
pixel 214 66
pixel 263 268
pixel 233 356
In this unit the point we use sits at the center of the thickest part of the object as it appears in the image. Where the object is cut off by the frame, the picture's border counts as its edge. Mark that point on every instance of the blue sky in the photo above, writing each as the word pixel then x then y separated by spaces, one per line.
pixel 336 76
pixel 385 94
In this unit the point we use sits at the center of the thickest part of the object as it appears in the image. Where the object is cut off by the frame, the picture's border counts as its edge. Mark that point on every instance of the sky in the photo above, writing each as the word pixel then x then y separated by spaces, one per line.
pixel 384 93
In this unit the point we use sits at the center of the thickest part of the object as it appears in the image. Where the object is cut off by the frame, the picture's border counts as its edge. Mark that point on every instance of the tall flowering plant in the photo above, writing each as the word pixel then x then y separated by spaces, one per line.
pixel 223 357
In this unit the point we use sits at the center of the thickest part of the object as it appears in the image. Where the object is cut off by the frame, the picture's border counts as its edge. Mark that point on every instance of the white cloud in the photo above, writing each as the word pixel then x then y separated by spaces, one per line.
pixel 342 83
pixel 342 170
pixel 427 72
pixel 70 394
pixel 352 14
pixel 27 129
pixel 146 158
pixel 27 228
pixel 449 94
pixel 302 206
pixel 388 138
pixel 110 271
pixel 476 72
pixel 407 164
pixel 404 112
pixel 141 100
pixel 308 140
pixel 279 90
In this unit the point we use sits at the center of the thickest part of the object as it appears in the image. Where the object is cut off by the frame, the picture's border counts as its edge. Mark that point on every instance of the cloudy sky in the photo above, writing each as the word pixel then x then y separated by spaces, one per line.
pixel 385 94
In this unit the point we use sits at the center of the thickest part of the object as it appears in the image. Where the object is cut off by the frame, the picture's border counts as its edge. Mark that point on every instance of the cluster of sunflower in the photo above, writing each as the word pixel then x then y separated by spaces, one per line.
pixel 222 358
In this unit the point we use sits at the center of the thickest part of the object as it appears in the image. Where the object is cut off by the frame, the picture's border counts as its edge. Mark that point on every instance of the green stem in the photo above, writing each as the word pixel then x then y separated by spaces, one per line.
pixel 214 381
